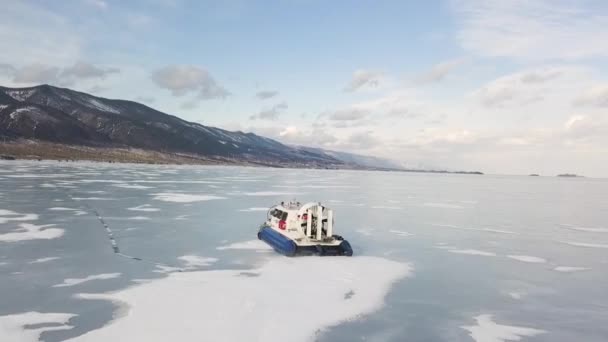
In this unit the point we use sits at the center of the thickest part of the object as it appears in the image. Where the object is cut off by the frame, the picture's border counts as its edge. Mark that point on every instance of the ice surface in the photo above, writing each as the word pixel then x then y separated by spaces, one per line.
pixel 132 186
pixel 42 260
pixel 251 244
pixel 586 229
pixel 491 230
pixel 586 244
pixel 487 330
pixel 77 281
pixel 195 260
pixel 144 207
pixel 29 231
pixel 62 209
pixel 183 198
pixel 269 193
pixel 570 269
pixel 255 209
pixel 471 252
pixel 17 327
pixel 8 215
pixel 527 258
pixel 281 292
pixel 442 205
pixel 92 199
pixel 138 218
pixel 401 233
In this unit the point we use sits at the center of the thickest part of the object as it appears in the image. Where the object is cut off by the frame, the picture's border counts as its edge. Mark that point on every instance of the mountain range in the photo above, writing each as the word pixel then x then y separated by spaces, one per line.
pixel 65 117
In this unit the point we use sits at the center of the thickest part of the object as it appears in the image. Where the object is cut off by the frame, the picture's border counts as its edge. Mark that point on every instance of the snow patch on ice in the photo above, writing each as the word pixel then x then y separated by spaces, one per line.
pixel 132 186
pixel 27 231
pixel 527 258
pixel 568 269
pixel 254 209
pixel 471 252
pixel 91 199
pixel 585 244
pixel 9 215
pixel 138 218
pixel 586 229
pixel 77 281
pixel 251 244
pixel 194 260
pixel 17 327
pixel 183 198
pixel 251 301
pixel 442 205
pixel 144 207
pixel 61 209
pixel 487 330
pixel 268 193
pixel 42 260
pixel 401 233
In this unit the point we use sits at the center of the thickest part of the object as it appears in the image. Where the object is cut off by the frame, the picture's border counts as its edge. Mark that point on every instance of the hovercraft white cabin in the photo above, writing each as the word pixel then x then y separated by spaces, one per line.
pixel 302 229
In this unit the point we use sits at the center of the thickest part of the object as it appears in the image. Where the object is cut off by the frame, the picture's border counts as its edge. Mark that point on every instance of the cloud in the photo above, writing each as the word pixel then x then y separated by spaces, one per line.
pixel 145 99
pixel 270 114
pixel 439 71
pixel 42 73
pixel 596 96
pixel 266 94
pixel 536 30
pixel 530 86
pixel 36 73
pixel 360 141
pixel 99 4
pixel 184 79
pixel 349 114
pixel 83 70
pixel 364 79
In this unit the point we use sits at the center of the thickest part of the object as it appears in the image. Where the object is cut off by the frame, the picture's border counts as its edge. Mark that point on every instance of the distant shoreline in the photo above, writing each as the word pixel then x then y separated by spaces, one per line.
pixel 41 150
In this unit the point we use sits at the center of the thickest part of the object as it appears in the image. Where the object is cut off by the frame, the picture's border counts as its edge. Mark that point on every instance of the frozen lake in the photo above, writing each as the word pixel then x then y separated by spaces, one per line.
pixel 437 257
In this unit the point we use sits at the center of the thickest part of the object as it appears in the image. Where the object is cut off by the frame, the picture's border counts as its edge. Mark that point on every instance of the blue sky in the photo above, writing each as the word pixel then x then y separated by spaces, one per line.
pixel 500 86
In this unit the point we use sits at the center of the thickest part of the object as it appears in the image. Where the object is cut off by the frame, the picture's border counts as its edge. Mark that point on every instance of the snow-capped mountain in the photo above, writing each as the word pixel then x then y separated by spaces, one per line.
pixel 70 117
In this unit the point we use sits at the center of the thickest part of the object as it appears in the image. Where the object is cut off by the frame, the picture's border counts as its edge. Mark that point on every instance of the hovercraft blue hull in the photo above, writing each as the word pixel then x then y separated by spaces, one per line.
pixel 287 247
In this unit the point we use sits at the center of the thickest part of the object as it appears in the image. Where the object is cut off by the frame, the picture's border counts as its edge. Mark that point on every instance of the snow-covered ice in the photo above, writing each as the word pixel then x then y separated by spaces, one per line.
pixel 27 231
pixel 527 258
pixel 586 244
pixel 568 269
pixel 487 330
pixel 144 207
pixel 19 327
pixel 9 215
pixel 257 303
pixel 195 260
pixel 77 281
pixel 183 198
pixel 42 260
pixel 471 252
pixel 255 209
pixel 251 244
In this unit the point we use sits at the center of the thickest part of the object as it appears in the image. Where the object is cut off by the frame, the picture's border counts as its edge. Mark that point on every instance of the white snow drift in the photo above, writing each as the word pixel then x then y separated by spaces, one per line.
pixel 277 302
pixel 77 281
pixel 487 330
pixel 13 327
pixel 27 231
pixel 183 198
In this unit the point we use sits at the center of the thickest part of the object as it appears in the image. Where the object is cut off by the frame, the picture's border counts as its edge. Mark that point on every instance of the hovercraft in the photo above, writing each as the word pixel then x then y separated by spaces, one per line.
pixel 302 229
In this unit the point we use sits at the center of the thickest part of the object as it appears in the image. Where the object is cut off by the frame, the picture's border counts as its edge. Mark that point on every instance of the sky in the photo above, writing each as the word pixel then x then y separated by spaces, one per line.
pixel 504 87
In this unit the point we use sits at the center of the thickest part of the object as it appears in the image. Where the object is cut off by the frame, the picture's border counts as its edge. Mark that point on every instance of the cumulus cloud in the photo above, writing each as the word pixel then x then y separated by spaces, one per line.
pixel 83 70
pixel 596 96
pixel 266 94
pixel 271 113
pixel 99 4
pixel 364 79
pixel 540 30
pixel 530 86
pixel 42 73
pixel 348 114
pixel 184 79
pixel 439 71
pixel 36 73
